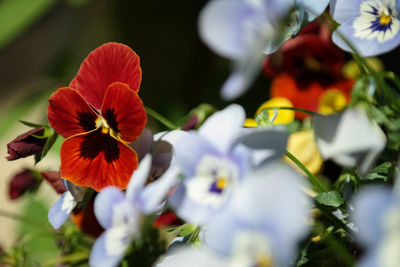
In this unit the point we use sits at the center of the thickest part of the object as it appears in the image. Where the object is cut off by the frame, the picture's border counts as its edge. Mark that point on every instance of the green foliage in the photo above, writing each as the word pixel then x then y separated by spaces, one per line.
pixel 331 198
pixel 17 15
pixel 147 250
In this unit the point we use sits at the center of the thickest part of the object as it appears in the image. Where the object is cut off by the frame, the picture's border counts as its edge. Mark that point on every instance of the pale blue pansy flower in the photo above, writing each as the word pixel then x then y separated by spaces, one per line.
pixel 61 210
pixel 376 215
pixel 371 26
pixel 349 138
pixel 216 159
pixel 244 30
pixel 120 213
pixel 261 226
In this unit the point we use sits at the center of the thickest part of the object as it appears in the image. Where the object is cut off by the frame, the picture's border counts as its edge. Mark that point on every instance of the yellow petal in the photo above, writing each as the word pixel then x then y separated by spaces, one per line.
pixel 250 123
pixel 284 116
pixel 332 101
pixel 302 145
pixel 351 70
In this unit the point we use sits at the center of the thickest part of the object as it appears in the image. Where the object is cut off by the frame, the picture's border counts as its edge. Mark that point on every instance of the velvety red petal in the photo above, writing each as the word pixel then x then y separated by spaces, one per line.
pixel 97 160
pixel 69 114
pixel 73 84
pixel 111 62
pixel 124 111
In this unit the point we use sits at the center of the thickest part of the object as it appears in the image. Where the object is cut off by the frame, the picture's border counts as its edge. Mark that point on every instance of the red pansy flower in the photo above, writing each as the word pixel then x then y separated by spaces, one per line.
pixel 99 114
pixel 305 67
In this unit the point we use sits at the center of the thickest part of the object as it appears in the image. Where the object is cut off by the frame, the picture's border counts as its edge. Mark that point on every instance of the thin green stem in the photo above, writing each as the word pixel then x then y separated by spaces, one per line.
pixel 75 257
pixel 331 240
pixel 392 76
pixel 313 179
pixel 161 119
pixel 21 218
pixel 302 110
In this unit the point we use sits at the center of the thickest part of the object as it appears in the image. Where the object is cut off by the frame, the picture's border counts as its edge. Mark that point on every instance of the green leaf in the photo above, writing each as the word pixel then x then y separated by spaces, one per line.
pixel 50 142
pixel 32 124
pixel 17 15
pixel 380 172
pixel 331 198
pixel 383 168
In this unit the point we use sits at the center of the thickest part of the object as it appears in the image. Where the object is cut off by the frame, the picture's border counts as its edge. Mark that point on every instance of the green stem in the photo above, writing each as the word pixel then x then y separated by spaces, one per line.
pixel 392 76
pixel 294 109
pixel 161 119
pixel 342 252
pixel 75 257
pixel 194 235
pixel 21 218
pixel 313 179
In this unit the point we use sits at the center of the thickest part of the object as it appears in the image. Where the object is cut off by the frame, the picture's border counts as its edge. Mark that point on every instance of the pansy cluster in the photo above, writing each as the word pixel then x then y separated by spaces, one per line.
pixel 310 180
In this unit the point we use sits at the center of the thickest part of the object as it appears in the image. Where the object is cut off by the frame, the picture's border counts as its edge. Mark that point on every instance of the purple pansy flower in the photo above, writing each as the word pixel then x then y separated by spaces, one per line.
pixel 371 26
pixel 120 213
pixel 215 160
pixel 376 215
pixel 244 30
pixel 349 138
pixel 261 226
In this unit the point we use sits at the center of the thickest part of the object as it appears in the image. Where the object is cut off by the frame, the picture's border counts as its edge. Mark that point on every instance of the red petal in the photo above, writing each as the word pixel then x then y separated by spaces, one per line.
pixel 69 114
pixel 124 112
pixel 111 62
pixel 97 160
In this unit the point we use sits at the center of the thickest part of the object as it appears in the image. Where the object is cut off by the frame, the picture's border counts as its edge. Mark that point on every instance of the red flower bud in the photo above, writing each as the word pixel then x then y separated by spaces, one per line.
pixel 54 179
pixel 21 183
pixel 26 145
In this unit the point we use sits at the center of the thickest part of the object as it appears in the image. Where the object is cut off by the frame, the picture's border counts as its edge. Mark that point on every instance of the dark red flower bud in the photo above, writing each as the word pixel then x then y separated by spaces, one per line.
pixel 191 123
pixel 26 144
pixel 21 183
pixel 54 179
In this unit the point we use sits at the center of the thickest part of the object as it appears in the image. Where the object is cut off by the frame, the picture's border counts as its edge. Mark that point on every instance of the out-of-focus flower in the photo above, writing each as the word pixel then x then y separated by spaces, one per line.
pixel 351 70
pixel 215 160
pixel 310 97
pixel 243 30
pixel 305 67
pixel 260 226
pixel 349 138
pixel 281 116
pixel 376 214
pixel 332 101
pixel 26 144
pixel 120 213
pixel 21 183
pixel 371 26
pixel 302 145
pixel 61 210
pixel 99 114
pixel 86 221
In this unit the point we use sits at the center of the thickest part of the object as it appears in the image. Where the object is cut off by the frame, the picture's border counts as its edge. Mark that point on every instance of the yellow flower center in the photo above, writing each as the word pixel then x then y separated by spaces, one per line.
pixel 221 183
pixel 105 128
pixel 264 261
pixel 385 19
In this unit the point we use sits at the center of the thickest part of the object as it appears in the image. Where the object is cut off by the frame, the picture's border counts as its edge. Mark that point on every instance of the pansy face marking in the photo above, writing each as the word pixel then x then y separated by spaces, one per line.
pixel 99 114
pixel 378 19
pixel 215 177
